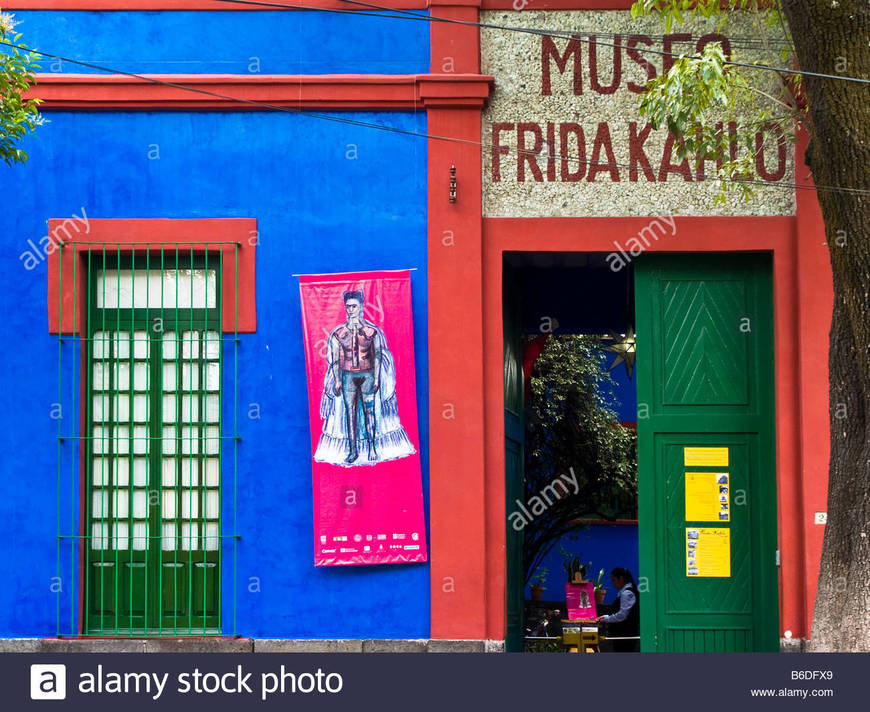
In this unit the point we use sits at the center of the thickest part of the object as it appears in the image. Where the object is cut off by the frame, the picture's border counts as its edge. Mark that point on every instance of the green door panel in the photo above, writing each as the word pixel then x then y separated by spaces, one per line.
pixel 514 437
pixel 152 469
pixel 705 379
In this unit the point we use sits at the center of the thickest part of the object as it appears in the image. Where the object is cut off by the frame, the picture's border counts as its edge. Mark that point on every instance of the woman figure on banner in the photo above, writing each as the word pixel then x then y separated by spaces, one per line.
pixel 359 405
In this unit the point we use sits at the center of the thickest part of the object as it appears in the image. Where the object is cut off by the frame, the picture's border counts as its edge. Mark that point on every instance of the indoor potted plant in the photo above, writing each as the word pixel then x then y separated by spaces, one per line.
pixel 538 581
pixel 600 591
pixel 575 570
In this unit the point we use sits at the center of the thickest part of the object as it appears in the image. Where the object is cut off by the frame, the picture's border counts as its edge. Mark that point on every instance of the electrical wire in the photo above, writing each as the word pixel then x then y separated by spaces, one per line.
pixel 407 14
pixel 392 129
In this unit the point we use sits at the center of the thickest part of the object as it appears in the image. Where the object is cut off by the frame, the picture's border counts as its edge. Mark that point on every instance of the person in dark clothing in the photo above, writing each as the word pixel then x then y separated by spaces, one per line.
pixel 625 619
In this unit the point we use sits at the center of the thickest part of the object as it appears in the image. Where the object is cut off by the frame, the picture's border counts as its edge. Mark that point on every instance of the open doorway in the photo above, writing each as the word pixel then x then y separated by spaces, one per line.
pixel 704 537
pixel 570 425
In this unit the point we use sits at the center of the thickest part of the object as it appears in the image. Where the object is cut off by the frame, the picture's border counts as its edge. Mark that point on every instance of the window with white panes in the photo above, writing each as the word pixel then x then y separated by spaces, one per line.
pixel 154 413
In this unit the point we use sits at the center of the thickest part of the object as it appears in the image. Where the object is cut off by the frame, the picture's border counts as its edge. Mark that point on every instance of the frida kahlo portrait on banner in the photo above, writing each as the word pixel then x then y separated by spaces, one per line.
pixel 361 416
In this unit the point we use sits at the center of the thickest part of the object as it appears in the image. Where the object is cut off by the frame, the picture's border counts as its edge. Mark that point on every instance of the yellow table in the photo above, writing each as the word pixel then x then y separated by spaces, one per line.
pixel 581 636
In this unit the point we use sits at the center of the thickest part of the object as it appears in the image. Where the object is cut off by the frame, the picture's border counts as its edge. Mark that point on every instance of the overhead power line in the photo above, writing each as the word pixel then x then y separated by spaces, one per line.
pixel 407 14
pixel 382 127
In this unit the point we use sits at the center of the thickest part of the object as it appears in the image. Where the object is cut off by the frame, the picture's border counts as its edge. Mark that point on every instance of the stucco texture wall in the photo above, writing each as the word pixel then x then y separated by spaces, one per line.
pixel 327 197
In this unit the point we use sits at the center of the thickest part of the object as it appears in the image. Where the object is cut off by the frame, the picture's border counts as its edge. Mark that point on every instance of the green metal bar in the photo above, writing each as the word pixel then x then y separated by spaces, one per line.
pixel 107 475
pixel 192 541
pixel 161 426
pixel 203 513
pixel 89 445
pixel 220 530
pixel 149 443
pixel 131 469
pixel 179 353
pixel 59 420
pixel 116 342
pixel 235 433
pixel 73 381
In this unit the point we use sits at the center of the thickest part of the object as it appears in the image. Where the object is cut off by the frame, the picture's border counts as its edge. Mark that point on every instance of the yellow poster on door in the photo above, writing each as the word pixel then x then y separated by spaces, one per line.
pixel 708 497
pixel 708 552
pixel 705 456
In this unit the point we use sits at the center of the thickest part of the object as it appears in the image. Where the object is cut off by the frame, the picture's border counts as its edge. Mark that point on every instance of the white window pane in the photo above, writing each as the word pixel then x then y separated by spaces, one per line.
pixel 189 409
pixel 100 409
pixel 169 440
pixel 140 344
pixel 169 504
pixel 168 536
pixel 212 472
pixel 190 440
pixel 190 344
pixel 140 440
pixel 121 471
pixel 101 344
pixel 213 441
pixel 140 503
pixel 189 472
pixel 140 408
pixel 140 472
pixel 212 532
pixel 169 376
pixel 140 376
pixel 140 536
pixel 100 471
pixel 189 535
pixel 190 376
pixel 169 345
pixel 101 377
pixel 121 504
pixel 189 504
pixel 122 531
pixel 169 471
pixel 212 504
pixel 99 535
pixel 122 440
pixel 122 408
pixel 212 376
pixel 122 376
pixel 169 409
pixel 122 344
pixel 212 345
pixel 100 440
pixel 100 504
pixel 212 409
pixel 153 289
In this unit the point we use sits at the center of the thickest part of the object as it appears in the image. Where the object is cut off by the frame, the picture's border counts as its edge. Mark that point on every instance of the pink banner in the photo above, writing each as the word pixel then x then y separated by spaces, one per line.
pixel 359 353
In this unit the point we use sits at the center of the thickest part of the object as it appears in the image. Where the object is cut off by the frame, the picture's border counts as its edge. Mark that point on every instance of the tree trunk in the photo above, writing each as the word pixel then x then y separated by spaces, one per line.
pixel 834 38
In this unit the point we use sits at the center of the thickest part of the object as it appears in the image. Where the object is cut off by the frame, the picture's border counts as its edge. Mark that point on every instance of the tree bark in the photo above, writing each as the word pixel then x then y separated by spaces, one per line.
pixel 834 38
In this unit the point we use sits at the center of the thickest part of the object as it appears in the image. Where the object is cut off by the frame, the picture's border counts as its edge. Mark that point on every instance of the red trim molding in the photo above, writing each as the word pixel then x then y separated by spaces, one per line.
pixel 197 5
pixel 128 5
pixel 234 240
pixel 556 5
pixel 335 91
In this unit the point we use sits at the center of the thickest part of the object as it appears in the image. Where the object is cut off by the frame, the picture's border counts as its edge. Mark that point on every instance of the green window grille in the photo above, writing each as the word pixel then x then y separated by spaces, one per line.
pixel 151 366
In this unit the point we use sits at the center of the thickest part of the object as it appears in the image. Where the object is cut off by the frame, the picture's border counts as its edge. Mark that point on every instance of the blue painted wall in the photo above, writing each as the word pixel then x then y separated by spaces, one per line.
pixel 317 211
pixel 605 545
pixel 229 42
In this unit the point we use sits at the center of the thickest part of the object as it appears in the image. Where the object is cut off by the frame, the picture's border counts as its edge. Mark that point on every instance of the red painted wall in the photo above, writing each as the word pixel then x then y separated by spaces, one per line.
pixel 468 274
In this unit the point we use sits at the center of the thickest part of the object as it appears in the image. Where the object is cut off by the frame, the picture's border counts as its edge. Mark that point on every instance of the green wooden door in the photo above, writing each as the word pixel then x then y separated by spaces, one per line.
pixel 514 438
pixel 708 578
pixel 153 471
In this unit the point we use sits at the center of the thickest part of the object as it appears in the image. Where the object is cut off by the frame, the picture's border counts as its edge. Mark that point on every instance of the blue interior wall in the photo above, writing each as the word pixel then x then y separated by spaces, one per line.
pixel 587 300
pixel 605 545
pixel 263 42
pixel 328 197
